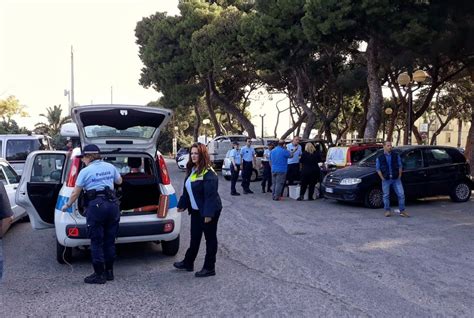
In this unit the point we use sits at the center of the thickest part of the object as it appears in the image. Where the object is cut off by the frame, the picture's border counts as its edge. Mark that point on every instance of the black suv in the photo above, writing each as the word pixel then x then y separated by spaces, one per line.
pixel 427 171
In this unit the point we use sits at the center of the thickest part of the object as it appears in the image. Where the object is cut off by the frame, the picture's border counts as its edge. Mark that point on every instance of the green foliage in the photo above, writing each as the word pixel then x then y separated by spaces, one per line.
pixel 53 123
pixel 10 107
pixel 10 126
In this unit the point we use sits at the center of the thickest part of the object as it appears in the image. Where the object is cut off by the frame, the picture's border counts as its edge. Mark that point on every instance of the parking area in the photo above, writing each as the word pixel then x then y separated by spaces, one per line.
pixel 304 258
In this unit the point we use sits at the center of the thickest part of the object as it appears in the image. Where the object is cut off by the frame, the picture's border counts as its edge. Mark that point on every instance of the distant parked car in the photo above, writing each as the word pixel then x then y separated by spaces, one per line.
pixel 346 155
pixel 257 171
pixel 182 158
pixel 15 148
pixel 10 179
pixel 427 171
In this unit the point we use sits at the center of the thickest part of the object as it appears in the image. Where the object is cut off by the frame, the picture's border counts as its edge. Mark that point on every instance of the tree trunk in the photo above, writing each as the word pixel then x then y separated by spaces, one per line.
pixel 227 106
pixel 374 112
pixel 300 101
pixel 295 126
pixel 365 107
pixel 459 131
pixel 197 122
pixel 211 111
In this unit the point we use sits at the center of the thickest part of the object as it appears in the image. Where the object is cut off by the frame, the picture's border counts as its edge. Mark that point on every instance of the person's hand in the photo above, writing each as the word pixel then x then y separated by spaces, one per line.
pixel 207 219
pixel 64 208
pixel 180 210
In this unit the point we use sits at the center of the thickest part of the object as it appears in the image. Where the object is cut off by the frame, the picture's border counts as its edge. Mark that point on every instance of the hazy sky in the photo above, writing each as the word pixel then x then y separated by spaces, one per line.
pixel 35 46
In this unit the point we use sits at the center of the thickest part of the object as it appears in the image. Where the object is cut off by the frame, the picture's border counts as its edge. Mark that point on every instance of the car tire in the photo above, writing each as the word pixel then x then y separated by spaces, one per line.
pixel 461 192
pixel 170 248
pixel 374 198
pixel 254 175
pixel 227 178
pixel 63 253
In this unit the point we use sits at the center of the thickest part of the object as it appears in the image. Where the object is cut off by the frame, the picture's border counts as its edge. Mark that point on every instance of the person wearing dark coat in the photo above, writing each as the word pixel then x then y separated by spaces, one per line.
pixel 6 218
pixel 201 198
pixel 310 171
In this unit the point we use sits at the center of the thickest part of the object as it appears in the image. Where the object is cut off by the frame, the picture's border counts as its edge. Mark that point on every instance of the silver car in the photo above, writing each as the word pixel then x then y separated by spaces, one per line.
pixel 257 172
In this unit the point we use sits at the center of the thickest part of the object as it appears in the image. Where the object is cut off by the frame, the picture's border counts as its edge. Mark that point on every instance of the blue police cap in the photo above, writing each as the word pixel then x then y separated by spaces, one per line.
pixel 89 150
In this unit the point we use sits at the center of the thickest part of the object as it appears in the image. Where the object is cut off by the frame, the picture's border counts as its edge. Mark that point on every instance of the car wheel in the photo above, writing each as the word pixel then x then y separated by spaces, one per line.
pixel 254 176
pixel 374 198
pixel 227 178
pixel 170 248
pixel 461 192
pixel 63 253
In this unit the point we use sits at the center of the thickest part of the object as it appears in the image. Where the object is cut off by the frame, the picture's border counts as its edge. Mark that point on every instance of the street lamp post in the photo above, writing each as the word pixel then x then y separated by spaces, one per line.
pixel 405 80
pixel 388 111
pixel 205 122
pixel 175 141
pixel 262 116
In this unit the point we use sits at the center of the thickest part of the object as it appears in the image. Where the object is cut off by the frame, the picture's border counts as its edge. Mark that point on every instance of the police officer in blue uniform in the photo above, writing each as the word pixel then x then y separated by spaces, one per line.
pixel 248 162
pixel 97 180
pixel 235 162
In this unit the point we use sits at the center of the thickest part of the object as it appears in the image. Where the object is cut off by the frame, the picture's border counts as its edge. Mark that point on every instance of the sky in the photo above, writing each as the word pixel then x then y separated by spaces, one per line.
pixel 35 56
pixel 35 52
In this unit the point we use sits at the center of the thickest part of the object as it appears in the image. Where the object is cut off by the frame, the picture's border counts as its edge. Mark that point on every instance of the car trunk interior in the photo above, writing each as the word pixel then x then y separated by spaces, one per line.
pixel 139 192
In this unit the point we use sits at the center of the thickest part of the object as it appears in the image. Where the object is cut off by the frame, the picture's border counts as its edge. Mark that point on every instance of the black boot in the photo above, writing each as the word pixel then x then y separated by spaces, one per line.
pixel 98 277
pixel 109 270
pixel 263 189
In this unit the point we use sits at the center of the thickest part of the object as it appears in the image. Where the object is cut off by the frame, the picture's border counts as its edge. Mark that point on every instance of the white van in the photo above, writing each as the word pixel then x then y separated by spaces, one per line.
pixel 15 148
pixel 147 199
pixel 220 145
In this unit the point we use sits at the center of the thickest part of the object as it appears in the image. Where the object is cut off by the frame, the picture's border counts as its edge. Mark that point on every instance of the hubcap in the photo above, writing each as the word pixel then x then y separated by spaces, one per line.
pixel 462 191
pixel 376 197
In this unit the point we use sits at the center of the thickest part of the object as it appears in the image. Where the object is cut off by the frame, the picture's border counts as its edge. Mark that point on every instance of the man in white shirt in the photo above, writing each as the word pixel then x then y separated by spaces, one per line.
pixel 294 162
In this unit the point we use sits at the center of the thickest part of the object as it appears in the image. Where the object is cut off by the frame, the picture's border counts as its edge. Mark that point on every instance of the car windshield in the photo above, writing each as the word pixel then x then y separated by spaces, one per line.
pixel 99 131
pixel 18 149
pixel 370 160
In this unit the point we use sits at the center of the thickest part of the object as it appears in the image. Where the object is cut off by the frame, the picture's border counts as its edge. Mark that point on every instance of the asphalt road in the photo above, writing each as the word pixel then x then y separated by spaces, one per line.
pixel 288 258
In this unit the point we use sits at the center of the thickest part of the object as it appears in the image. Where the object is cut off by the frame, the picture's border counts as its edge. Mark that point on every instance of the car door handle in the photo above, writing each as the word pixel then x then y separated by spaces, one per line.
pixel 22 193
pixel 14 188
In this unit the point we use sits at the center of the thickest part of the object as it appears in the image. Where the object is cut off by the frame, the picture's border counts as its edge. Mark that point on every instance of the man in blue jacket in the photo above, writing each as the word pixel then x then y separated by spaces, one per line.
pixel 279 163
pixel 389 168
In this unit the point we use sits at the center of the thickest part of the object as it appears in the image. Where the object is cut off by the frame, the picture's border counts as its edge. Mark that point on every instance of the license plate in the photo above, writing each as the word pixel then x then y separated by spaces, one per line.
pixel 329 190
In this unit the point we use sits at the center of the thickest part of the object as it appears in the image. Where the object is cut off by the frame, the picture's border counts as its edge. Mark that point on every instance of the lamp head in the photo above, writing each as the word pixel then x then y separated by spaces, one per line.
pixel 404 79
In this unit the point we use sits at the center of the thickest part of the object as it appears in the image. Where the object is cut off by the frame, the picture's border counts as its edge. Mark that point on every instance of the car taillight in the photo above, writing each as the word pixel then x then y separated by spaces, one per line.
pixel 165 177
pixel 71 178
pixel 163 206
pixel 73 232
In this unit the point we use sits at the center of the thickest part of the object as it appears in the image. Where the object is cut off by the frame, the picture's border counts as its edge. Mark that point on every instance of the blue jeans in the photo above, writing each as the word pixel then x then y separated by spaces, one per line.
pixel 398 188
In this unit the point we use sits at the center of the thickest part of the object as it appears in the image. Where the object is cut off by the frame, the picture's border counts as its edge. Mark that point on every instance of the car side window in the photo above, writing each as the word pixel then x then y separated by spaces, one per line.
pixel 10 174
pixel 436 157
pixel 412 160
pixel 3 179
pixel 47 168
pixel 1 148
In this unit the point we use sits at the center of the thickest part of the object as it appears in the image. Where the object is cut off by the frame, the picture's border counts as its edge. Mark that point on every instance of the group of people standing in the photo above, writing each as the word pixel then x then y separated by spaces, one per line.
pixel 282 164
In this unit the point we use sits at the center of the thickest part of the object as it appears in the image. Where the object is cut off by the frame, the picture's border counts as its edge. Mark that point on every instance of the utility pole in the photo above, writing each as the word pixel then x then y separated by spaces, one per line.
pixel 71 105
pixel 262 116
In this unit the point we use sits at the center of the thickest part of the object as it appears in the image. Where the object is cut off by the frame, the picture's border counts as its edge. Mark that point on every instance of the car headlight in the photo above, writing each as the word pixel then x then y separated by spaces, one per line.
pixel 350 181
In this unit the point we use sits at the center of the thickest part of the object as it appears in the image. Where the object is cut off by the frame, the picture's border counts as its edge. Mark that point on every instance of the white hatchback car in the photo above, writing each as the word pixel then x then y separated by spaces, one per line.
pixel 147 199
pixel 10 180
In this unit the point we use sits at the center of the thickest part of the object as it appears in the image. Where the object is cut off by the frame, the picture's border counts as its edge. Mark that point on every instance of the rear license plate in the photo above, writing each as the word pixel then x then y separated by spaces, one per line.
pixel 329 190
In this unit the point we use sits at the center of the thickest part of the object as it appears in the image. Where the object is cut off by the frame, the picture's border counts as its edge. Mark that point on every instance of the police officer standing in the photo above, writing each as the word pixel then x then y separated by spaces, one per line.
pixel 235 162
pixel 248 162
pixel 102 211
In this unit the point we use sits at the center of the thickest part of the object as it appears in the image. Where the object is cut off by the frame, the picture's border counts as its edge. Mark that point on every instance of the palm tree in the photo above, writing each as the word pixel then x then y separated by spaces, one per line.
pixel 54 121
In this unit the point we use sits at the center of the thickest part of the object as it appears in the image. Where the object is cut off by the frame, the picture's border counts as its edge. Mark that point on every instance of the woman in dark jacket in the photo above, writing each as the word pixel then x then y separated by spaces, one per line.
pixel 310 171
pixel 201 199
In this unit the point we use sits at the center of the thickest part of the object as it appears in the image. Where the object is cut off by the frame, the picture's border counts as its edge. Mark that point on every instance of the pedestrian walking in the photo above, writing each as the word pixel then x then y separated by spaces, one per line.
pixel 279 163
pixel 248 162
pixel 310 171
pixel 293 173
pixel 267 169
pixel 235 162
pixel 6 218
pixel 201 198
pixel 102 211
pixel 389 168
